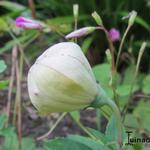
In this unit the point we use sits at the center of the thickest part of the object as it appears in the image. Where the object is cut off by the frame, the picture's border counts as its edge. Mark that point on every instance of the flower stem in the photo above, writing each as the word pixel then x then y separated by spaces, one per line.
pixel 112 49
pixel 101 100
pixel 53 127
pixel 121 44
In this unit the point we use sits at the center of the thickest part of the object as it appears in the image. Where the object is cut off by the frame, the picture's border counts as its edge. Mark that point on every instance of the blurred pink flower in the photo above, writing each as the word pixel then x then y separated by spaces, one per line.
pixel 114 35
pixel 25 23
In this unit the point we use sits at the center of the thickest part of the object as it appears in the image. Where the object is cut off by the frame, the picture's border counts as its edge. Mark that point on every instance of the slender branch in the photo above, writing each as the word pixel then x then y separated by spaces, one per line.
pixel 85 130
pixel 14 57
pixel 112 50
pixel 75 27
pixel 121 44
pixel 53 127
pixel 142 96
pixel 20 46
pixel 18 105
pixel 32 7
pixel 141 51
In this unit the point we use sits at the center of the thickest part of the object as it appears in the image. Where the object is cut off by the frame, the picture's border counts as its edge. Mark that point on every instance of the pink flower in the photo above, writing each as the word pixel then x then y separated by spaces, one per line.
pixel 25 23
pixel 114 35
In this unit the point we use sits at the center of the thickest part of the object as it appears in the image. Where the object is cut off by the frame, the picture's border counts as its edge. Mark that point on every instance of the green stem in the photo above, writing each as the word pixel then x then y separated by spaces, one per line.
pixel 85 130
pixel 130 98
pixel 53 127
pixel 121 44
pixel 112 50
pixel 101 100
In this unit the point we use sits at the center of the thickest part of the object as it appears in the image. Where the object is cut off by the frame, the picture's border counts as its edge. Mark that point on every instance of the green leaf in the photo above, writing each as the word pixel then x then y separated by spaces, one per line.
pixel 28 144
pixel 65 19
pixel 142 22
pixel 146 148
pixel 3 25
pixel 124 90
pixel 64 144
pixel 2 66
pixel 86 44
pixel 93 144
pixel 131 121
pixel 98 135
pixel 129 75
pixel 102 73
pixel 111 132
pixel 142 112
pixel 12 6
pixel 3 84
pixel 75 115
pixel 3 119
pixel 10 139
pixel 146 85
pixel 28 35
pixel 63 24
pixel 139 43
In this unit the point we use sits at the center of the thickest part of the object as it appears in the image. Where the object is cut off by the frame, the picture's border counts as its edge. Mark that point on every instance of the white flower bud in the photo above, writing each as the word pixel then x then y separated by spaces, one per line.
pixel 61 80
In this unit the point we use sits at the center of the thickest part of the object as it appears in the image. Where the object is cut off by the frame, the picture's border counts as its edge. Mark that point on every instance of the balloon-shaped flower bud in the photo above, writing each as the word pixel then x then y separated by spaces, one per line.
pixel 61 80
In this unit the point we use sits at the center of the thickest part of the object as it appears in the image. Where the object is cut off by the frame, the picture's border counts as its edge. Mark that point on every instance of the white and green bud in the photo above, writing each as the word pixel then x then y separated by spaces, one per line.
pixel 108 55
pixel 133 15
pixel 97 18
pixel 76 11
pixel 61 80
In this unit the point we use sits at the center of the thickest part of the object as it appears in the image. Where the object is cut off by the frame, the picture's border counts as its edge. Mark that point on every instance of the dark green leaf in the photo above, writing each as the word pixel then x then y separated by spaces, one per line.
pixel 146 84
pixel 64 144
pixel 28 144
pixel 86 44
pixel 12 6
pixel 93 144
pixel 142 112
pixel 98 135
pixel 124 90
pixel 112 132
pixel 3 119
pixel 10 139
pixel 2 66
pixel 3 84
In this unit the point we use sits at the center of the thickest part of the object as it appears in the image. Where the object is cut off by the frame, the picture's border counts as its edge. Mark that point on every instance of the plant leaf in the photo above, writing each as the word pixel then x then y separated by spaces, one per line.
pixel 64 144
pixel 2 66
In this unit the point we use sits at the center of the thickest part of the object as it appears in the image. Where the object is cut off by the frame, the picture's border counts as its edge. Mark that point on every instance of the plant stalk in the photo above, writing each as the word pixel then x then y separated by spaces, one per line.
pixel 121 44
pixel 101 100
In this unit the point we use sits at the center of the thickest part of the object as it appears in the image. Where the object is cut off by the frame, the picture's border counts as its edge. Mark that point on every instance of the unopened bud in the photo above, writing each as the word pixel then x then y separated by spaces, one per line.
pixel 75 10
pixel 114 34
pixel 108 55
pixel 133 15
pixel 97 18
pixel 80 32
pixel 61 80
pixel 25 23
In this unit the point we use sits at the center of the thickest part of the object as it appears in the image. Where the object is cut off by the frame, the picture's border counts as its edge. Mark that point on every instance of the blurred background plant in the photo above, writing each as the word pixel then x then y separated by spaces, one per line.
pixel 19 48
